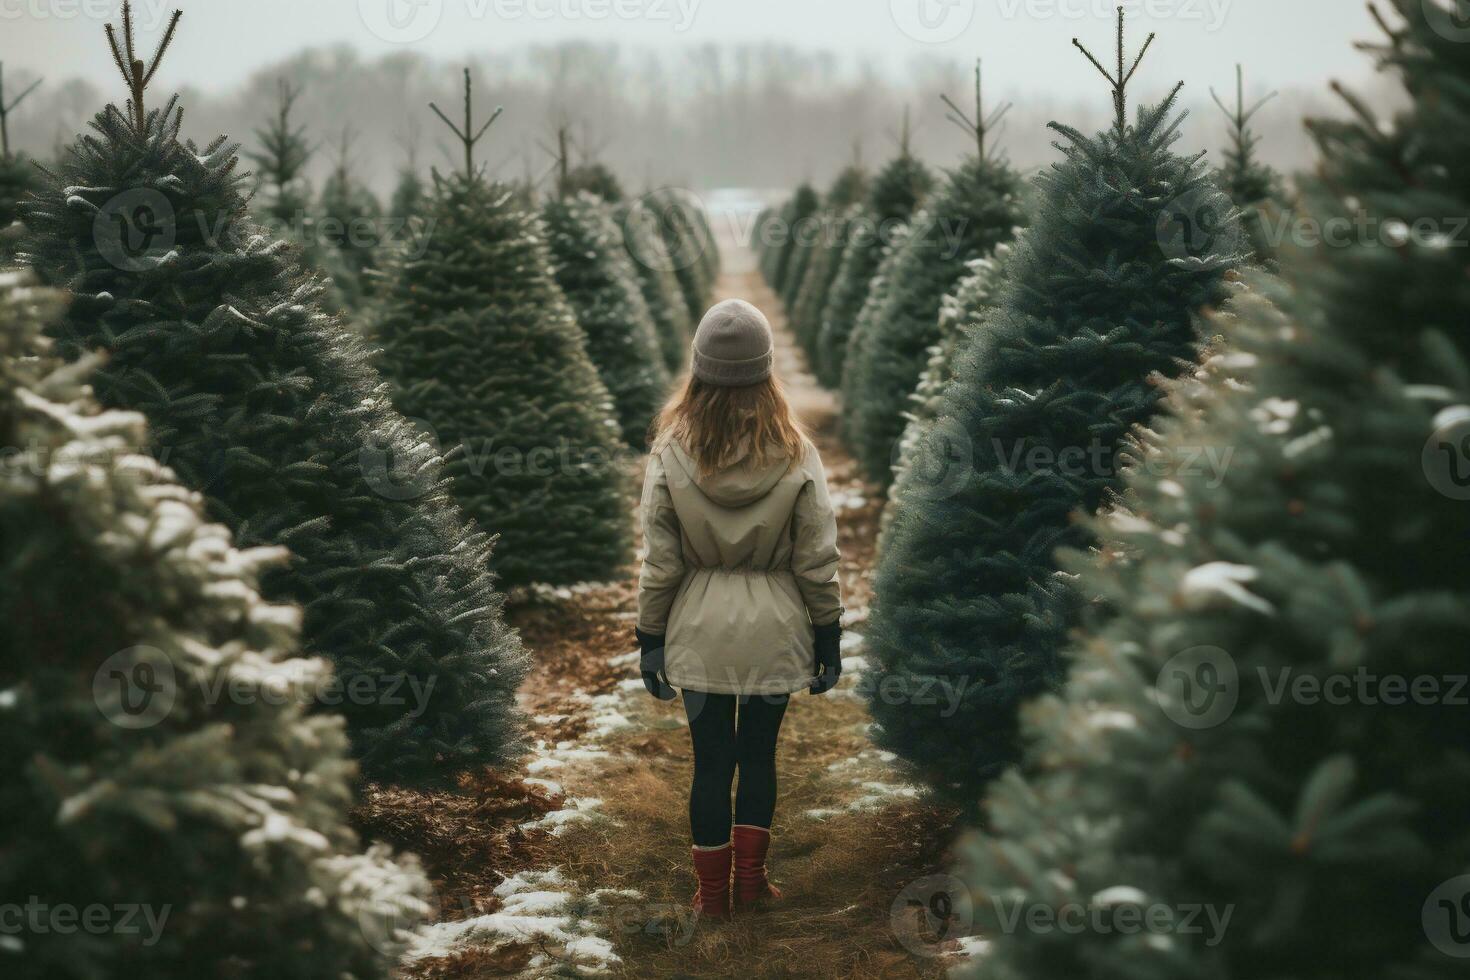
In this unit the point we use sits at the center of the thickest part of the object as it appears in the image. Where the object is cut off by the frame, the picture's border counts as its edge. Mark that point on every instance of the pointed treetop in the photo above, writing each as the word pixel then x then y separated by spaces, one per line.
pixel 5 109
pixel 905 134
pixel 1240 116
pixel 409 142
pixel 469 126
pixel 134 71
pixel 982 124
pixel 561 156
pixel 1124 75
pixel 857 152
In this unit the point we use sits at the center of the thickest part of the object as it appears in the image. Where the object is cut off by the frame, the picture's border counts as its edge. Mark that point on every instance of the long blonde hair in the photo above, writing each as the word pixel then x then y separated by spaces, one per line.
pixel 720 425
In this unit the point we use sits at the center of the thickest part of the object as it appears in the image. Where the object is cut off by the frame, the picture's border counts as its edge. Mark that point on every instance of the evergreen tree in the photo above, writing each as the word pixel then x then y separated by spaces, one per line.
pixel 1255 188
pixel 658 281
pixel 594 271
pixel 774 231
pixel 960 314
pixel 410 198
pixel 651 262
pixel 482 346
pixel 594 179
pixel 410 195
pixel 159 756
pixel 17 179
pixel 283 195
pixel 1329 551
pixel 1100 296
pixel 896 192
pixel 690 243
pixel 267 405
pixel 790 258
pixel 349 226
pixel 978 209
pixel 17 174
pixel 810 296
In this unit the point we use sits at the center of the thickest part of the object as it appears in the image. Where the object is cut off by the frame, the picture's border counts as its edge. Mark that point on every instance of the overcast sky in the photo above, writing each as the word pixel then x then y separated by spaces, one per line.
pixel 1024 42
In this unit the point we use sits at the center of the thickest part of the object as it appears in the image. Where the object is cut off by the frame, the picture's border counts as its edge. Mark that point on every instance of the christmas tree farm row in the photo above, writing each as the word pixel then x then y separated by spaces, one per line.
pixel 1170 599
pixel 249 536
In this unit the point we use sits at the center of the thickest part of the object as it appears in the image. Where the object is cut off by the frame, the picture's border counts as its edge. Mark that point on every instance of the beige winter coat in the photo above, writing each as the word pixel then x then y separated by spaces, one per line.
pixel 740 564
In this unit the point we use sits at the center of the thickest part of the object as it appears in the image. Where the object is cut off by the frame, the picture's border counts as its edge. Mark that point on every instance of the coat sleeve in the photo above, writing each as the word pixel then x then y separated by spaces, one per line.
pixel 814 554
pixel 663 557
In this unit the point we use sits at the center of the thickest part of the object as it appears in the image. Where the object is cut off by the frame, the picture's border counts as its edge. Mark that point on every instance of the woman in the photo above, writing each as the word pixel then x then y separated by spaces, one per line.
pixel 739 603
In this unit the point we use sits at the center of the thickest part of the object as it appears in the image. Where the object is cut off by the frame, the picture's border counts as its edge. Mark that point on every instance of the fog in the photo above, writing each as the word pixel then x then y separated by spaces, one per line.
pixel 682 109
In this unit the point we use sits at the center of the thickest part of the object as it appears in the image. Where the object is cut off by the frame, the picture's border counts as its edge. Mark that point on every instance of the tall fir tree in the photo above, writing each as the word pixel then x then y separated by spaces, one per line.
pixel 1101 295
pixel 283 195
pixel 651 262
pixel 1255 188
pixel 809 297
pixel 594 178
pixel 482 346
pixel 271 408
pixel 693 252
pixel 162 770
pixel 283 199
pixel 978 209
pixel 960 314
pixel 1325 557
pixel 18 178
pixel 594 271
pixel 659 282
pixel 798 218
pixel 350 226
pixel 410 197
pixel 897 191
pixel 17 174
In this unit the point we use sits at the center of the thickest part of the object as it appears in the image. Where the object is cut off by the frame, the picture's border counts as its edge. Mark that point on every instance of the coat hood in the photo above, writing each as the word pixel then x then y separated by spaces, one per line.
pixel 736 485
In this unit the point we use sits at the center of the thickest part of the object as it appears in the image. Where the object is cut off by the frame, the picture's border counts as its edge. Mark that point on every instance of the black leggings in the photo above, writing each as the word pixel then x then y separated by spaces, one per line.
pixel 722 744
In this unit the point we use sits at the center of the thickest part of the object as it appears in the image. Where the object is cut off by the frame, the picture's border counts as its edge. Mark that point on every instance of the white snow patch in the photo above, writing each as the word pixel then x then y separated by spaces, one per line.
pixel 557 822
pixel 550 785
pixel 1112 720
pixel 971 947
pixel 625 659
pixel 523 881
pixel 1120 895
pixel 1274 416
pixel 1219 579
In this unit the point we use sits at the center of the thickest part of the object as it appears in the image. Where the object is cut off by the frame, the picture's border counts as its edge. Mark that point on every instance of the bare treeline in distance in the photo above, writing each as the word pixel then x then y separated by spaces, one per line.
pixel 759 115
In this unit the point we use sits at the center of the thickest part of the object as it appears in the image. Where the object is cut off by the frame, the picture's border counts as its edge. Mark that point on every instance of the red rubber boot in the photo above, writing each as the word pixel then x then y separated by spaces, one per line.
pixel 751 885
pixel 712 868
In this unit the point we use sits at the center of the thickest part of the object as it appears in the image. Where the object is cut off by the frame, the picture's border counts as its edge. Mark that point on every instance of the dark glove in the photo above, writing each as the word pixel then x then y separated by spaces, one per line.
pixel 829 657
pixel 651 664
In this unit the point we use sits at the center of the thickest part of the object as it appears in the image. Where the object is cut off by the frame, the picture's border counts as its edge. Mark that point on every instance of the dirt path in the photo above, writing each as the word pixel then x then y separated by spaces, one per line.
pixel 582 866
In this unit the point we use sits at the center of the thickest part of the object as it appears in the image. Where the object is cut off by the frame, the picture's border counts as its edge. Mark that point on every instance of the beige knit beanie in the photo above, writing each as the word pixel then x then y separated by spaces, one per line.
pixel 733 345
